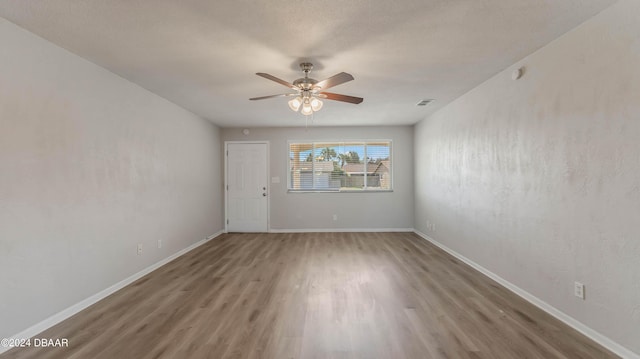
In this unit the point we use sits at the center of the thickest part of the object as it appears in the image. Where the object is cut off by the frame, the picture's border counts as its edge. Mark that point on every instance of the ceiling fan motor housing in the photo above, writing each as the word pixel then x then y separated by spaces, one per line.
pixel 305 83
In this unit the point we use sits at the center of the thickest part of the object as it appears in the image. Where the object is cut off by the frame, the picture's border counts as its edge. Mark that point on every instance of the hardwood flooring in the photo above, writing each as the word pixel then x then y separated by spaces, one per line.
pixel 315 295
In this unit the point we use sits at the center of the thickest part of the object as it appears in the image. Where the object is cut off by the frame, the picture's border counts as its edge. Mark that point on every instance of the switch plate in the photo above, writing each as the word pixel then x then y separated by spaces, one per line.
pixel 159 243
pixel 139 248
pixel 578 290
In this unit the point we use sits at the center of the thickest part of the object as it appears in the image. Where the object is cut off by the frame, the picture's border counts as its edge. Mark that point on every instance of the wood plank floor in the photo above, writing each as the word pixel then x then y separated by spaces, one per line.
pixel 315 295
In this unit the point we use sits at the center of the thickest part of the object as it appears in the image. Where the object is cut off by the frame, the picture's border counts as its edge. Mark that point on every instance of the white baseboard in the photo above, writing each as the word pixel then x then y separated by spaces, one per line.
pixel 339 230
pixel 570 321
pixel 72 310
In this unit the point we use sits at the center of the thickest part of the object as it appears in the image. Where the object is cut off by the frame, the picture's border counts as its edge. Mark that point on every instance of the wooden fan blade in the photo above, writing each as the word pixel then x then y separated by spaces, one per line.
pixel 343 98
pixel 273 78
pixel 333 81
pixel 272 96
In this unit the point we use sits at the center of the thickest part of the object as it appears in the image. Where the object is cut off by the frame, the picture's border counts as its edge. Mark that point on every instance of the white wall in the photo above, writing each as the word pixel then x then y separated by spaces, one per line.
pixel 91 165
pixel 383 210
pixel 538 180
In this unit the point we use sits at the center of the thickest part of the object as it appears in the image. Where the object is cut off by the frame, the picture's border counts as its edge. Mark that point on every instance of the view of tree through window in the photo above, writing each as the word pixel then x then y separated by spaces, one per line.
pixel 340 166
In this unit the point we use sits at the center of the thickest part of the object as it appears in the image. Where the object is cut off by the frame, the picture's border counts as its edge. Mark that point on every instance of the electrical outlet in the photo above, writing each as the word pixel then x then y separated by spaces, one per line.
pixel 139 249
pixel 335 217
pixel 431 226
pixel 578 290
pixel 159 243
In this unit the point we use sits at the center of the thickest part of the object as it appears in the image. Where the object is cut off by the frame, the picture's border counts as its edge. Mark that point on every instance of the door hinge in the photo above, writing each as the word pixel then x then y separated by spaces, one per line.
pixel 227 221
pixel 227 187
pixel 227 152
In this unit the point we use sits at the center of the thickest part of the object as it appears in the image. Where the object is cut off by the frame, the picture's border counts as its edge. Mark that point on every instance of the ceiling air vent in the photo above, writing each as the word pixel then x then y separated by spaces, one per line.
pixel 424 102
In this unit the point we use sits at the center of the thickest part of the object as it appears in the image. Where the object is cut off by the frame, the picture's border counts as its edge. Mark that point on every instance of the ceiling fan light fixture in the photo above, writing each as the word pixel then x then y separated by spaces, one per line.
pixel 295 104
pixel 316 104
pixel 308 91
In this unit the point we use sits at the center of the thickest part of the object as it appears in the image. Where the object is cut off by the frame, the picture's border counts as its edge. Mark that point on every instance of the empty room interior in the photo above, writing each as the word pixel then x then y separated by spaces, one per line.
pixel 320 179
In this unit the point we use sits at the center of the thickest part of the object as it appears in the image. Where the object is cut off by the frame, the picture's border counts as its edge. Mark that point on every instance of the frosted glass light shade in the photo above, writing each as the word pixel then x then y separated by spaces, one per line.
pixel 306 109
pixel 295 104
pixel 316 104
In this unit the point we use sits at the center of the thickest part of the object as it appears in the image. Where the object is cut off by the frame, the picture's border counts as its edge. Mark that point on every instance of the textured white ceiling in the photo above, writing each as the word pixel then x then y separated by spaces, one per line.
pixel 203 54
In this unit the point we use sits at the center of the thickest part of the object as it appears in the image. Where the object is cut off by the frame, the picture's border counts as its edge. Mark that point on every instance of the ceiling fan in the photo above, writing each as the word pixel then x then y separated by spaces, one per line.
pixel 309 92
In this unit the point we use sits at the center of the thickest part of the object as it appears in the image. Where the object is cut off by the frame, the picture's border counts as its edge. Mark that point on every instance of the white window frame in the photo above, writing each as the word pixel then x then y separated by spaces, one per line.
pixel 365 190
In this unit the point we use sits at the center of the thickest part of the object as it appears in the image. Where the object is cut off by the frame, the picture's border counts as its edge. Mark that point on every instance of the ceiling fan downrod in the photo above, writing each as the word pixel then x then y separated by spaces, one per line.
pixel 305 83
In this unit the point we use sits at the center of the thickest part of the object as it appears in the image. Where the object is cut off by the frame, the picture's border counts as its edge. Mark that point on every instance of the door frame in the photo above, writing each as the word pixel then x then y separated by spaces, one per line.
pixel 225 154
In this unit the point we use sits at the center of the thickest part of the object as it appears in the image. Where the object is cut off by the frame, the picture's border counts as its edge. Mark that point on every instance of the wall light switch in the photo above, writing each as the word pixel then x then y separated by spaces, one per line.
pixel 578 290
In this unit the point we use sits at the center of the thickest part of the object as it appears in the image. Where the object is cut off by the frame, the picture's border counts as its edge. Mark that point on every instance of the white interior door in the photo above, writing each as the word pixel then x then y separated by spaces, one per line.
pixel 247 190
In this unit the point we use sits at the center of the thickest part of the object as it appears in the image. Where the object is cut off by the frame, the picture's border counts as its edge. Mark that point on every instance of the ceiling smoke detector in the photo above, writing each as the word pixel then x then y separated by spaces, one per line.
pixel 424 102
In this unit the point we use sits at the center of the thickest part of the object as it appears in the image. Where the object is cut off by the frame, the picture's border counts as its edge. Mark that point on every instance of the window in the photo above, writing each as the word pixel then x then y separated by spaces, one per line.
pixel 340 166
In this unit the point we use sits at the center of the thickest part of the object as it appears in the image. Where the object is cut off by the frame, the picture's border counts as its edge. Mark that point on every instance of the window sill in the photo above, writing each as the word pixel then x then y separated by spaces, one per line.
pixel 340 191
